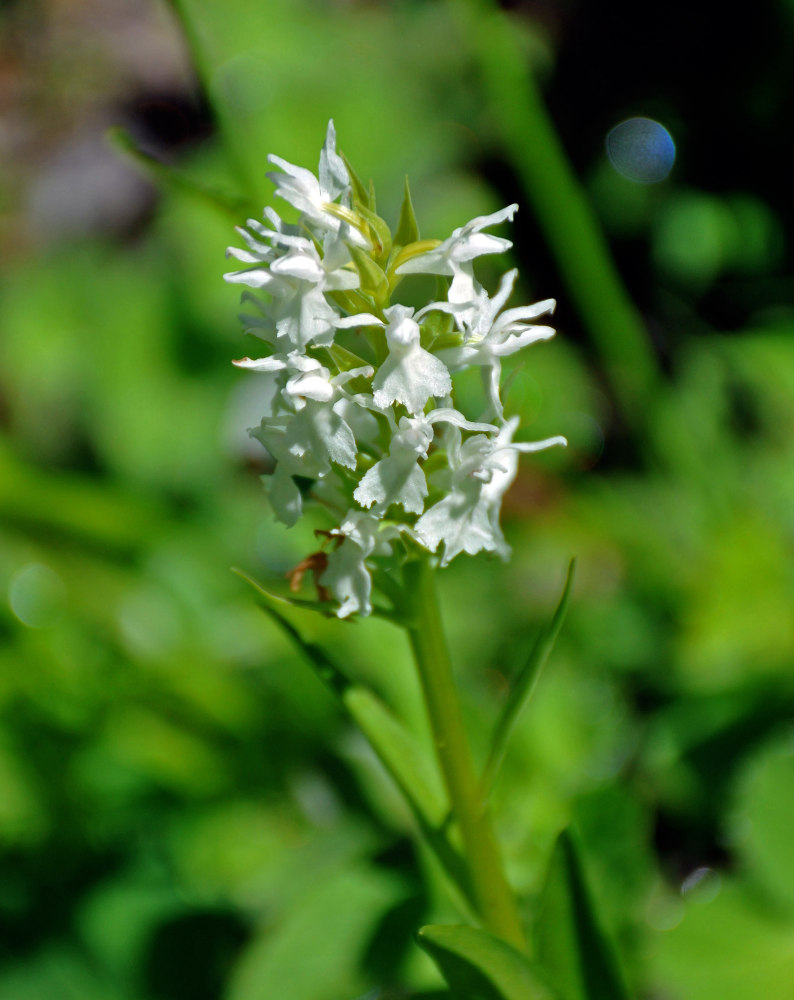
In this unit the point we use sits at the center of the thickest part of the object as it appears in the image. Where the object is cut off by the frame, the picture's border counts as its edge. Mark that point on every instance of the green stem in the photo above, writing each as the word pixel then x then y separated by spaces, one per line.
pixel 493 896
pixel 561 207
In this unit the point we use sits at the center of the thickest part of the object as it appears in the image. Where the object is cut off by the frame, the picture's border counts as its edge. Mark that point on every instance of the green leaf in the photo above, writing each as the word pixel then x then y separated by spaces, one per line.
pixel 394 746
pixel 373 280
pixel 402 254
pixel 408 227
pixel 361 197
pixel 380 229
pixel 571 945
pixel 278 602
pixel 342 359
pixel 479 966
pixel 274 606
pixel 409 769
pixel 524 686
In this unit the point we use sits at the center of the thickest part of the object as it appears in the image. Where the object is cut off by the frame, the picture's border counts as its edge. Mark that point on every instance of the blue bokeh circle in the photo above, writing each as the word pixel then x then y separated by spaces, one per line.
pixel 641 150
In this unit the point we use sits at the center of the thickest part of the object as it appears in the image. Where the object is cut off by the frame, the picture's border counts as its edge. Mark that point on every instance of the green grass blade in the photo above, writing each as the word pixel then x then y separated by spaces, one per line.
pixel 523 687
pixel 480 966
pixel 571 945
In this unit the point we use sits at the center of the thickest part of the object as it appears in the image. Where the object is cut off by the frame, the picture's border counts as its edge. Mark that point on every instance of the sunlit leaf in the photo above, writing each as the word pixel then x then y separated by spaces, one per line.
pixel 479 966
pixel 361 197
pixel 373 279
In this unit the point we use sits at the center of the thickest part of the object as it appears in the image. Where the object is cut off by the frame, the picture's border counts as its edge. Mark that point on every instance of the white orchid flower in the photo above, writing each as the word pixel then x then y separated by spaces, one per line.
pixel 312 195
pixel 347 576
pixel 377 447
pixel 489 336
pixel 410 375
pixel 483 468
pixel 398 477
pixel 315 432
pixel 297 282
pixel 455 256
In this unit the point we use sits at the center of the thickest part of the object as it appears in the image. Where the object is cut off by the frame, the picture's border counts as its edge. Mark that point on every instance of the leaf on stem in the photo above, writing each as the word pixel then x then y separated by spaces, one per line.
pixel 326 670
pixel 571 945
pixel 278 602
pixel 380 230
pixel 523 687
pixel 373 279
pixel 361 197
pixel 394 746
pixel 408 768
pixel 479 966
pixel 408 227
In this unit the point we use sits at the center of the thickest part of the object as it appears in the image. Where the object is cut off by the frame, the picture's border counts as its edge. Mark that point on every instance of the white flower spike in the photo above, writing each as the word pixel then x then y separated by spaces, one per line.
pixel 359 393
pixel 311 195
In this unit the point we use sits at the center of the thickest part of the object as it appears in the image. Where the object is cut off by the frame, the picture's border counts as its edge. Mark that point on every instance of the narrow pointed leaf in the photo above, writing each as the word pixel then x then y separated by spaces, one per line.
pixel 571 945
pixel 380 230
pixel 279 602
pixel 360 194
pixel 405 253
pixel 394 746
pixel 407 764
pixel 411 772
pixel 373 280
pixel 524 686
pixel 328 672
pixel 408 227
pixel 479 966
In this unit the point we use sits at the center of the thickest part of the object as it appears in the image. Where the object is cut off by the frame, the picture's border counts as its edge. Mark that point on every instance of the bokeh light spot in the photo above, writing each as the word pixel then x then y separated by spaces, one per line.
pixel 641 150
pixel 36 595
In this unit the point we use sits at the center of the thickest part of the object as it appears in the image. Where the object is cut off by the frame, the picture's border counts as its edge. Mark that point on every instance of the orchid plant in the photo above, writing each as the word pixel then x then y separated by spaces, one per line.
pixel 360 416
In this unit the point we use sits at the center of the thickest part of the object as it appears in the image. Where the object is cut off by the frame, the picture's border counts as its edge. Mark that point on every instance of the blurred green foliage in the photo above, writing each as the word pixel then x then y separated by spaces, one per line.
pixel 184 812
